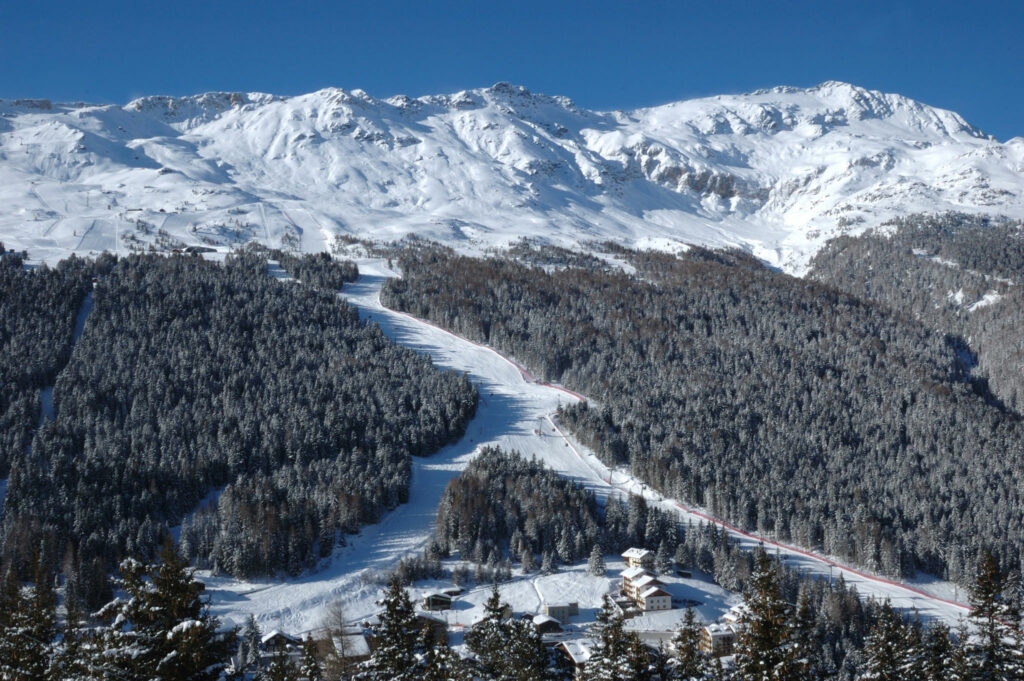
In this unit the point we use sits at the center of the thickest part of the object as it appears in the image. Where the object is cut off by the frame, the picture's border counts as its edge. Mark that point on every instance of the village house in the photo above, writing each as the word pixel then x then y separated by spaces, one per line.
pixel 718 640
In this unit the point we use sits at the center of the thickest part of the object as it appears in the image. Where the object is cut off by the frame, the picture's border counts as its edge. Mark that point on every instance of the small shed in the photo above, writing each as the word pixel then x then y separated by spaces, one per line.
pixel 546 624
pixel 437 601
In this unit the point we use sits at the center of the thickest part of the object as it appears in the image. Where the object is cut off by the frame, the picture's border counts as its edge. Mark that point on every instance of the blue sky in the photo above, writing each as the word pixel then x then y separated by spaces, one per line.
pixel 965 56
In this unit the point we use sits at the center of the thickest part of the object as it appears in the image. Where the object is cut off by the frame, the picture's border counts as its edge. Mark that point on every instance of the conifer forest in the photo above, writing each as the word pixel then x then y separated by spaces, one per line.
pixel 166 419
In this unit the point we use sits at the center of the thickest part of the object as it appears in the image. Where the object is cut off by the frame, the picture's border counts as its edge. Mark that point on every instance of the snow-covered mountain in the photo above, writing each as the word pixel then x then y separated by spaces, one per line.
pixel 776 171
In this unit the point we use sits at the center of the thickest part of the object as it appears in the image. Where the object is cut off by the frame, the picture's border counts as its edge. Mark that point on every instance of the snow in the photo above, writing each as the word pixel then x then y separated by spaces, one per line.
pixel 776 172
pixel 515 413
pixel 988 299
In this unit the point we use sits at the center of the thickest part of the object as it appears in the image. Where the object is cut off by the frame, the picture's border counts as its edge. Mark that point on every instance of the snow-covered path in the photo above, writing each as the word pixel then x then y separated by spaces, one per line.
pixel 515 412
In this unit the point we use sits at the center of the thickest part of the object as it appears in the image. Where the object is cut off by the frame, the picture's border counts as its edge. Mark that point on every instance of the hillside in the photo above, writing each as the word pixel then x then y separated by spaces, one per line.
pixel 775 172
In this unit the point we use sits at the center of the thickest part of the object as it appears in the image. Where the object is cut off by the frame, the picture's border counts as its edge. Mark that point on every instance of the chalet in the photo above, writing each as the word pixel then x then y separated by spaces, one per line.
pixel 718 640
pixel 653 599
pixel 561 611
pixel 437 601
pixel 641 558
pixel 577 653
pixel 275 638
pixel 546 624
pixel 275 641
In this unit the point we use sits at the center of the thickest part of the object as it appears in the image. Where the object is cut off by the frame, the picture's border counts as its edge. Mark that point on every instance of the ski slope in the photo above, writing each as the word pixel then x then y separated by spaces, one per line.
pixel 515 412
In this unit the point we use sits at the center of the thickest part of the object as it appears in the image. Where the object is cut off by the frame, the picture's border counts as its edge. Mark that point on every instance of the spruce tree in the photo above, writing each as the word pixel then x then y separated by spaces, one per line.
pixel 281 667
pixel 662 559
pixel 394 655
pixel 609 661
pixel 992 653
pixel 253 638
pixel 690 663
pixel 526 657
pixel 764 647
pixel 488 640
pixel 162 630
pixel 595 564
pixel 310 668
pixel 885 651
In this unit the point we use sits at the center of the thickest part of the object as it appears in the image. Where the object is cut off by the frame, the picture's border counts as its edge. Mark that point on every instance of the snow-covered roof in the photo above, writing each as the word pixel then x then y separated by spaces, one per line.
pixel 654 591
pixel 636 553
pixel 270 635
pixel 718 630
pixel 352 645
pixel 646 580
pixel 578 650
pixel 634 572
pixel 544 619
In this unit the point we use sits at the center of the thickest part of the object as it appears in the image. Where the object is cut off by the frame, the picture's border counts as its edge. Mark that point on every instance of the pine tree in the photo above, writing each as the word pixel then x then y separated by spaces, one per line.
pixel 526 560
pixel 526 656
pixel 690 663
pixel 595 564
pixel 937 653
pixel 488 640
pixel 281 667
pixel 547 563
pixel 163 629
pixel 885 650
pixel 609 661
pixel 394 656
pixel 764 649
pixel 70 655
pixel 991 650
pixel 662 559
pixel 253 638
pixel 310 668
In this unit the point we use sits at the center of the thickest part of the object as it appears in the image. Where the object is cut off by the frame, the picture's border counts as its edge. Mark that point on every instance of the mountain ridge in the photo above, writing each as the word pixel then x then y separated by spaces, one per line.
pixel 775 172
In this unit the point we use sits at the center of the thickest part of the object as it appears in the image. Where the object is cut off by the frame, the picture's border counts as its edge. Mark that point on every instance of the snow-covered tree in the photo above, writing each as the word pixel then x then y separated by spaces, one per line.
pixel 995 649
pixel 162 628
pixel 610 659
pixel 887 657
pixel 310 667
pixel 690 663
pixel 394 656
pixel 595 564
pixel 764 650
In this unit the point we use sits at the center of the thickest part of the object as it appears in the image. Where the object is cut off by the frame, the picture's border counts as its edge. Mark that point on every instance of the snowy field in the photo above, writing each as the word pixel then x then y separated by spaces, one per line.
pixel 515 413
